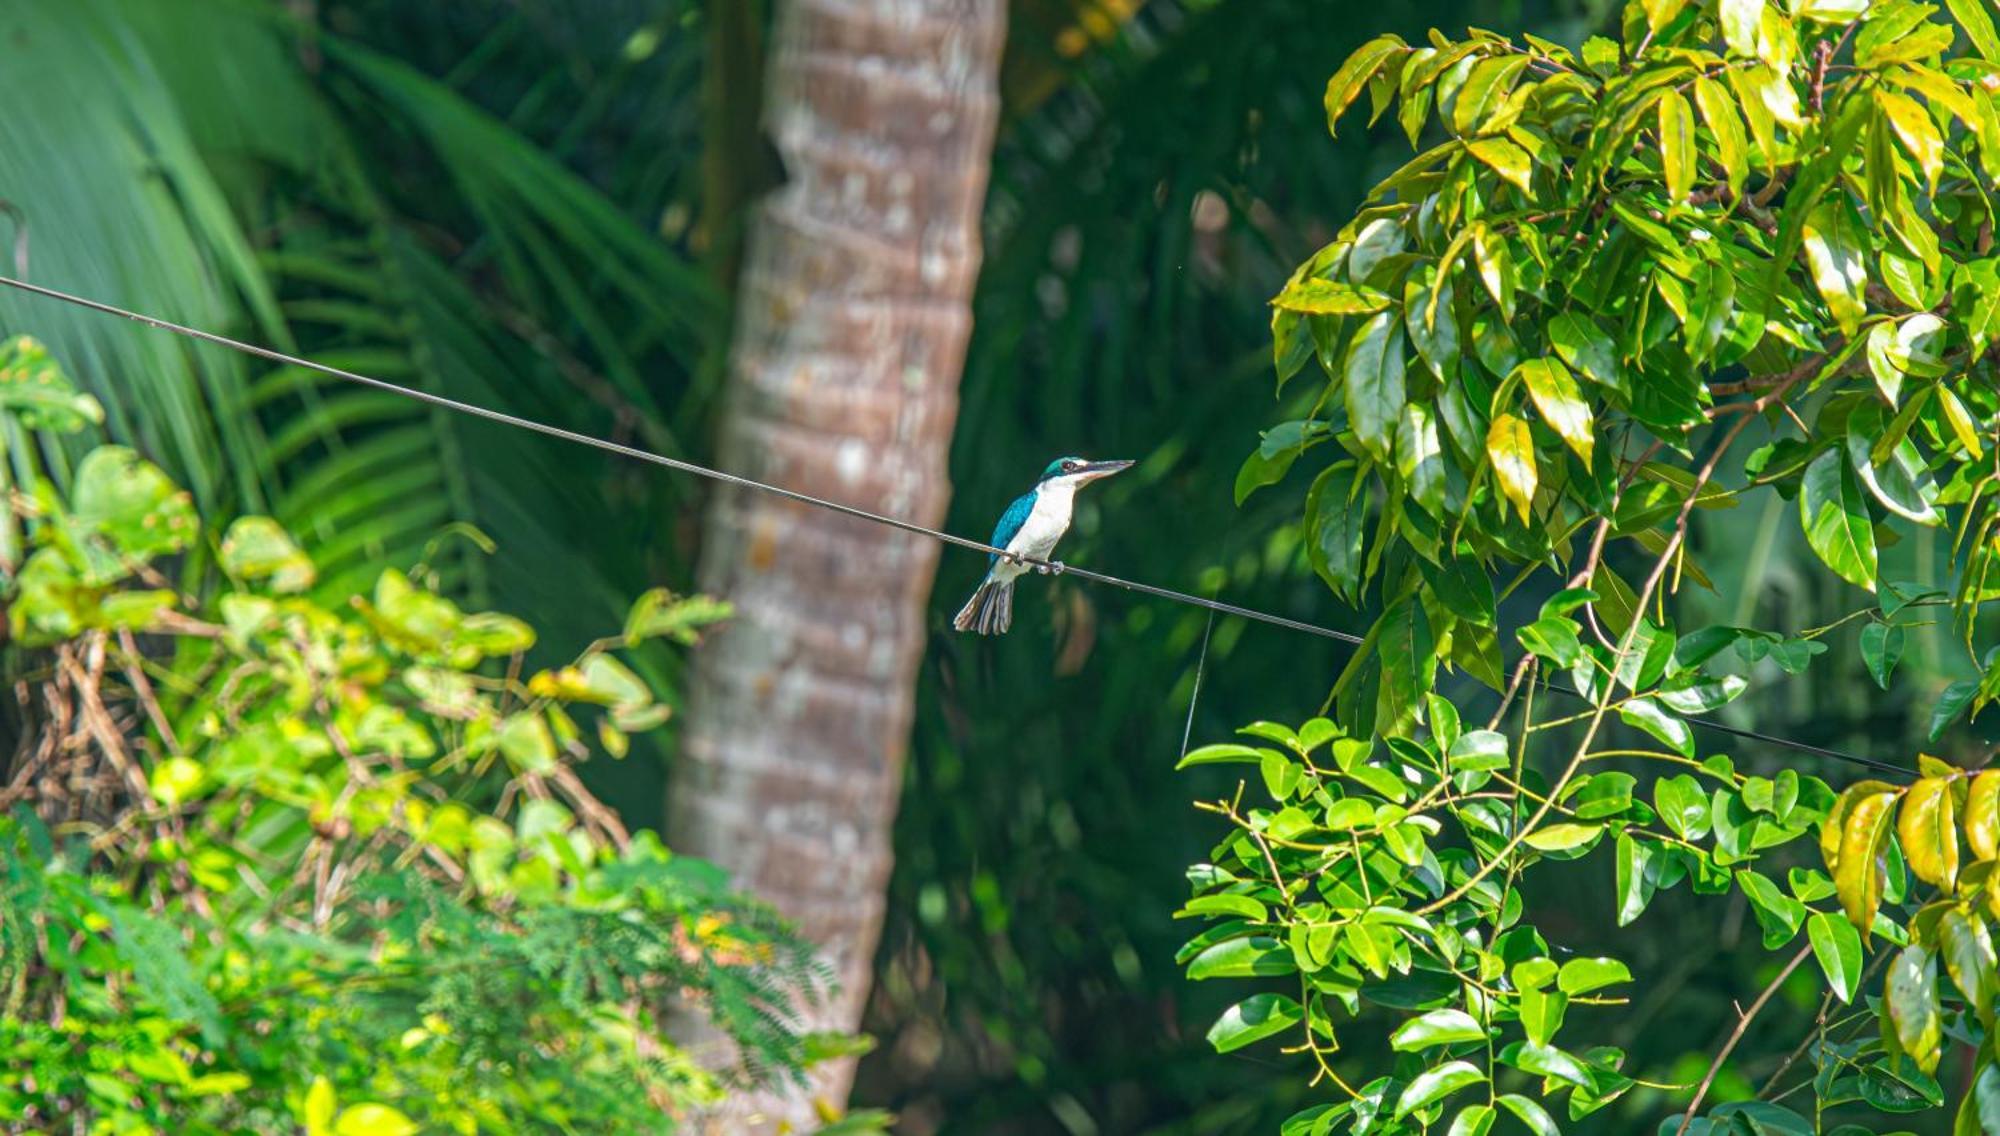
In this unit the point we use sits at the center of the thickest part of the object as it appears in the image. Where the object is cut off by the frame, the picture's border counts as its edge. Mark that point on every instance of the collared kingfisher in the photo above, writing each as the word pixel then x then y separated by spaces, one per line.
pixel 1029 530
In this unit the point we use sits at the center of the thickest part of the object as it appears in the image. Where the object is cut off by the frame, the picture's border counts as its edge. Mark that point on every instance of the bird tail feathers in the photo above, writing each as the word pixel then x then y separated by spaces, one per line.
pixel 990 611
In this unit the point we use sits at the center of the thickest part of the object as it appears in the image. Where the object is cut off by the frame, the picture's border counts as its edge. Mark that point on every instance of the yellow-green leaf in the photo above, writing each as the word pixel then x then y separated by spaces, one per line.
pixel 1971 16
pixel 1917 131
pixel 1960 421
pixel 1322 297
pixel 1982 815
pixel 1858 873
pixel 1739 25
pixel 1732 146
pixel 1348 82
pixel 319 1105
pixel 1911 993
pixel 373 1120
pixel 1677 150
pixel 1834 244
pixel 1561 403
pixel 1490 81
pixel 1504 158
pixel 1496 268
pixel 1660 13
pixel 1928 831
pixel 1511 448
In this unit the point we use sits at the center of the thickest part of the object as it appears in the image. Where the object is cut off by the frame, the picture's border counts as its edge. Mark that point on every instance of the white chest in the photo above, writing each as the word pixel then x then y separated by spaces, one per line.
pixel 1045 525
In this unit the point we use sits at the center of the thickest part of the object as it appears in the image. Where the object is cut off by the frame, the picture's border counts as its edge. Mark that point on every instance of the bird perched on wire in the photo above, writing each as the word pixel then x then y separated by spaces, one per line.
pixel 1029 530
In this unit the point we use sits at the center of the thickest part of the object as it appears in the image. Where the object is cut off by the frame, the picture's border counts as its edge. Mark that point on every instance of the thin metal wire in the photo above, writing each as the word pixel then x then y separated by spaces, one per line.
pixel 683 466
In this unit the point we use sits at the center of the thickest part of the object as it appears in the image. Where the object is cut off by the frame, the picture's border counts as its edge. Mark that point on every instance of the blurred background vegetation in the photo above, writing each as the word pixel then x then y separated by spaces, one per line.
pixel 532 205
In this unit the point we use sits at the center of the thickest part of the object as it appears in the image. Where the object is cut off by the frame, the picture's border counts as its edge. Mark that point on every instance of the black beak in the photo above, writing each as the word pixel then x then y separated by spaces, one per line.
pixel 1095 470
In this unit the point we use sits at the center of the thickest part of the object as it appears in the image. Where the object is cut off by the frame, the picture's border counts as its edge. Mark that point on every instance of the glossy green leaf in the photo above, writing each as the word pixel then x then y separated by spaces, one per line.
pixel 1253 1019
pixel 1649 716
pixel 1835 515
pixel 1982 815
pixel 1836 945
pixel 1474 1120
pixel 1967 951
pixel 1583 975
pixel 1373 382
pixel 1530 1113
pixel 1251 956
pixel 1434 1085
pixel 1439 1027
pixel 1881 650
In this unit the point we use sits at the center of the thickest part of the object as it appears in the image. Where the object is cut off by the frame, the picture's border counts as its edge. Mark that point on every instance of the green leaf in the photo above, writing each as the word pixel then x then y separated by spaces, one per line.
pixel 1529 1113
pixel 1912 999
pixel 1562 837
pixel 1777 913
pixel 1834 245
pixel 1951 704
pixel 1552 637
pixel 1648 716
pixel 1881 649
pixel 1439 1027
pixel 1253 1019
pixel 527 743
pixel 1701 694
pixel 1431 320
pixel 1408 654
pixel 1511 448
pixel 1546 1061
pixel 1336 526
pixel 1967 951
pixel 1475 1120
pixel 1581 976
pixel 1837 947
pixel 1373 381
pixel 1677 149
pixel 1436 1084
pixel 1542 1013
pixel 1638 878
pixel 1321 297
pixel 1682 805
pixel 1560 402
pixel 1225 903
pixel 1585 347
pixel 1420 458
pixel 1835 516
pixel 1254 956
pixel 258 548
pixel 1506 159
pixel 1348 82
pixel 1224 753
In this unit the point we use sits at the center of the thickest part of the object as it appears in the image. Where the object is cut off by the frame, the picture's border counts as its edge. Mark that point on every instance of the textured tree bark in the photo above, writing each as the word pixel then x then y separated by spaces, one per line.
pixel 853 314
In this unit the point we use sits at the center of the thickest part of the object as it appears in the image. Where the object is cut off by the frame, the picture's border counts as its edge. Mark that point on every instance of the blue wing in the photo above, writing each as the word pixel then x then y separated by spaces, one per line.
pixel 1011 522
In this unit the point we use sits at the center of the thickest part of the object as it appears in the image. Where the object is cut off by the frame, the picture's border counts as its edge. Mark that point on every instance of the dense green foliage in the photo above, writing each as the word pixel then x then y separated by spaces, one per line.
pixel 276 858
pixel 1544 339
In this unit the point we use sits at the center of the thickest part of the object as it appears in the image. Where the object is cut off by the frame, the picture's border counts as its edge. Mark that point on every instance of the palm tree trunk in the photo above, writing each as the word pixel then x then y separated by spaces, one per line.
pixel 852 322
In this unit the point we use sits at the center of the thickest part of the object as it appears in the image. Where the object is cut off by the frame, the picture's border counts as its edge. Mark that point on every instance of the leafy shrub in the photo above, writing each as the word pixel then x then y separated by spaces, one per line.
pixel 1543 340
pixel 272 859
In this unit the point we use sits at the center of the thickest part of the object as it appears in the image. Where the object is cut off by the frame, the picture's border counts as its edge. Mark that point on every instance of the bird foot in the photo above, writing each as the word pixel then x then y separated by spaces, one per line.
pixel 1053 567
